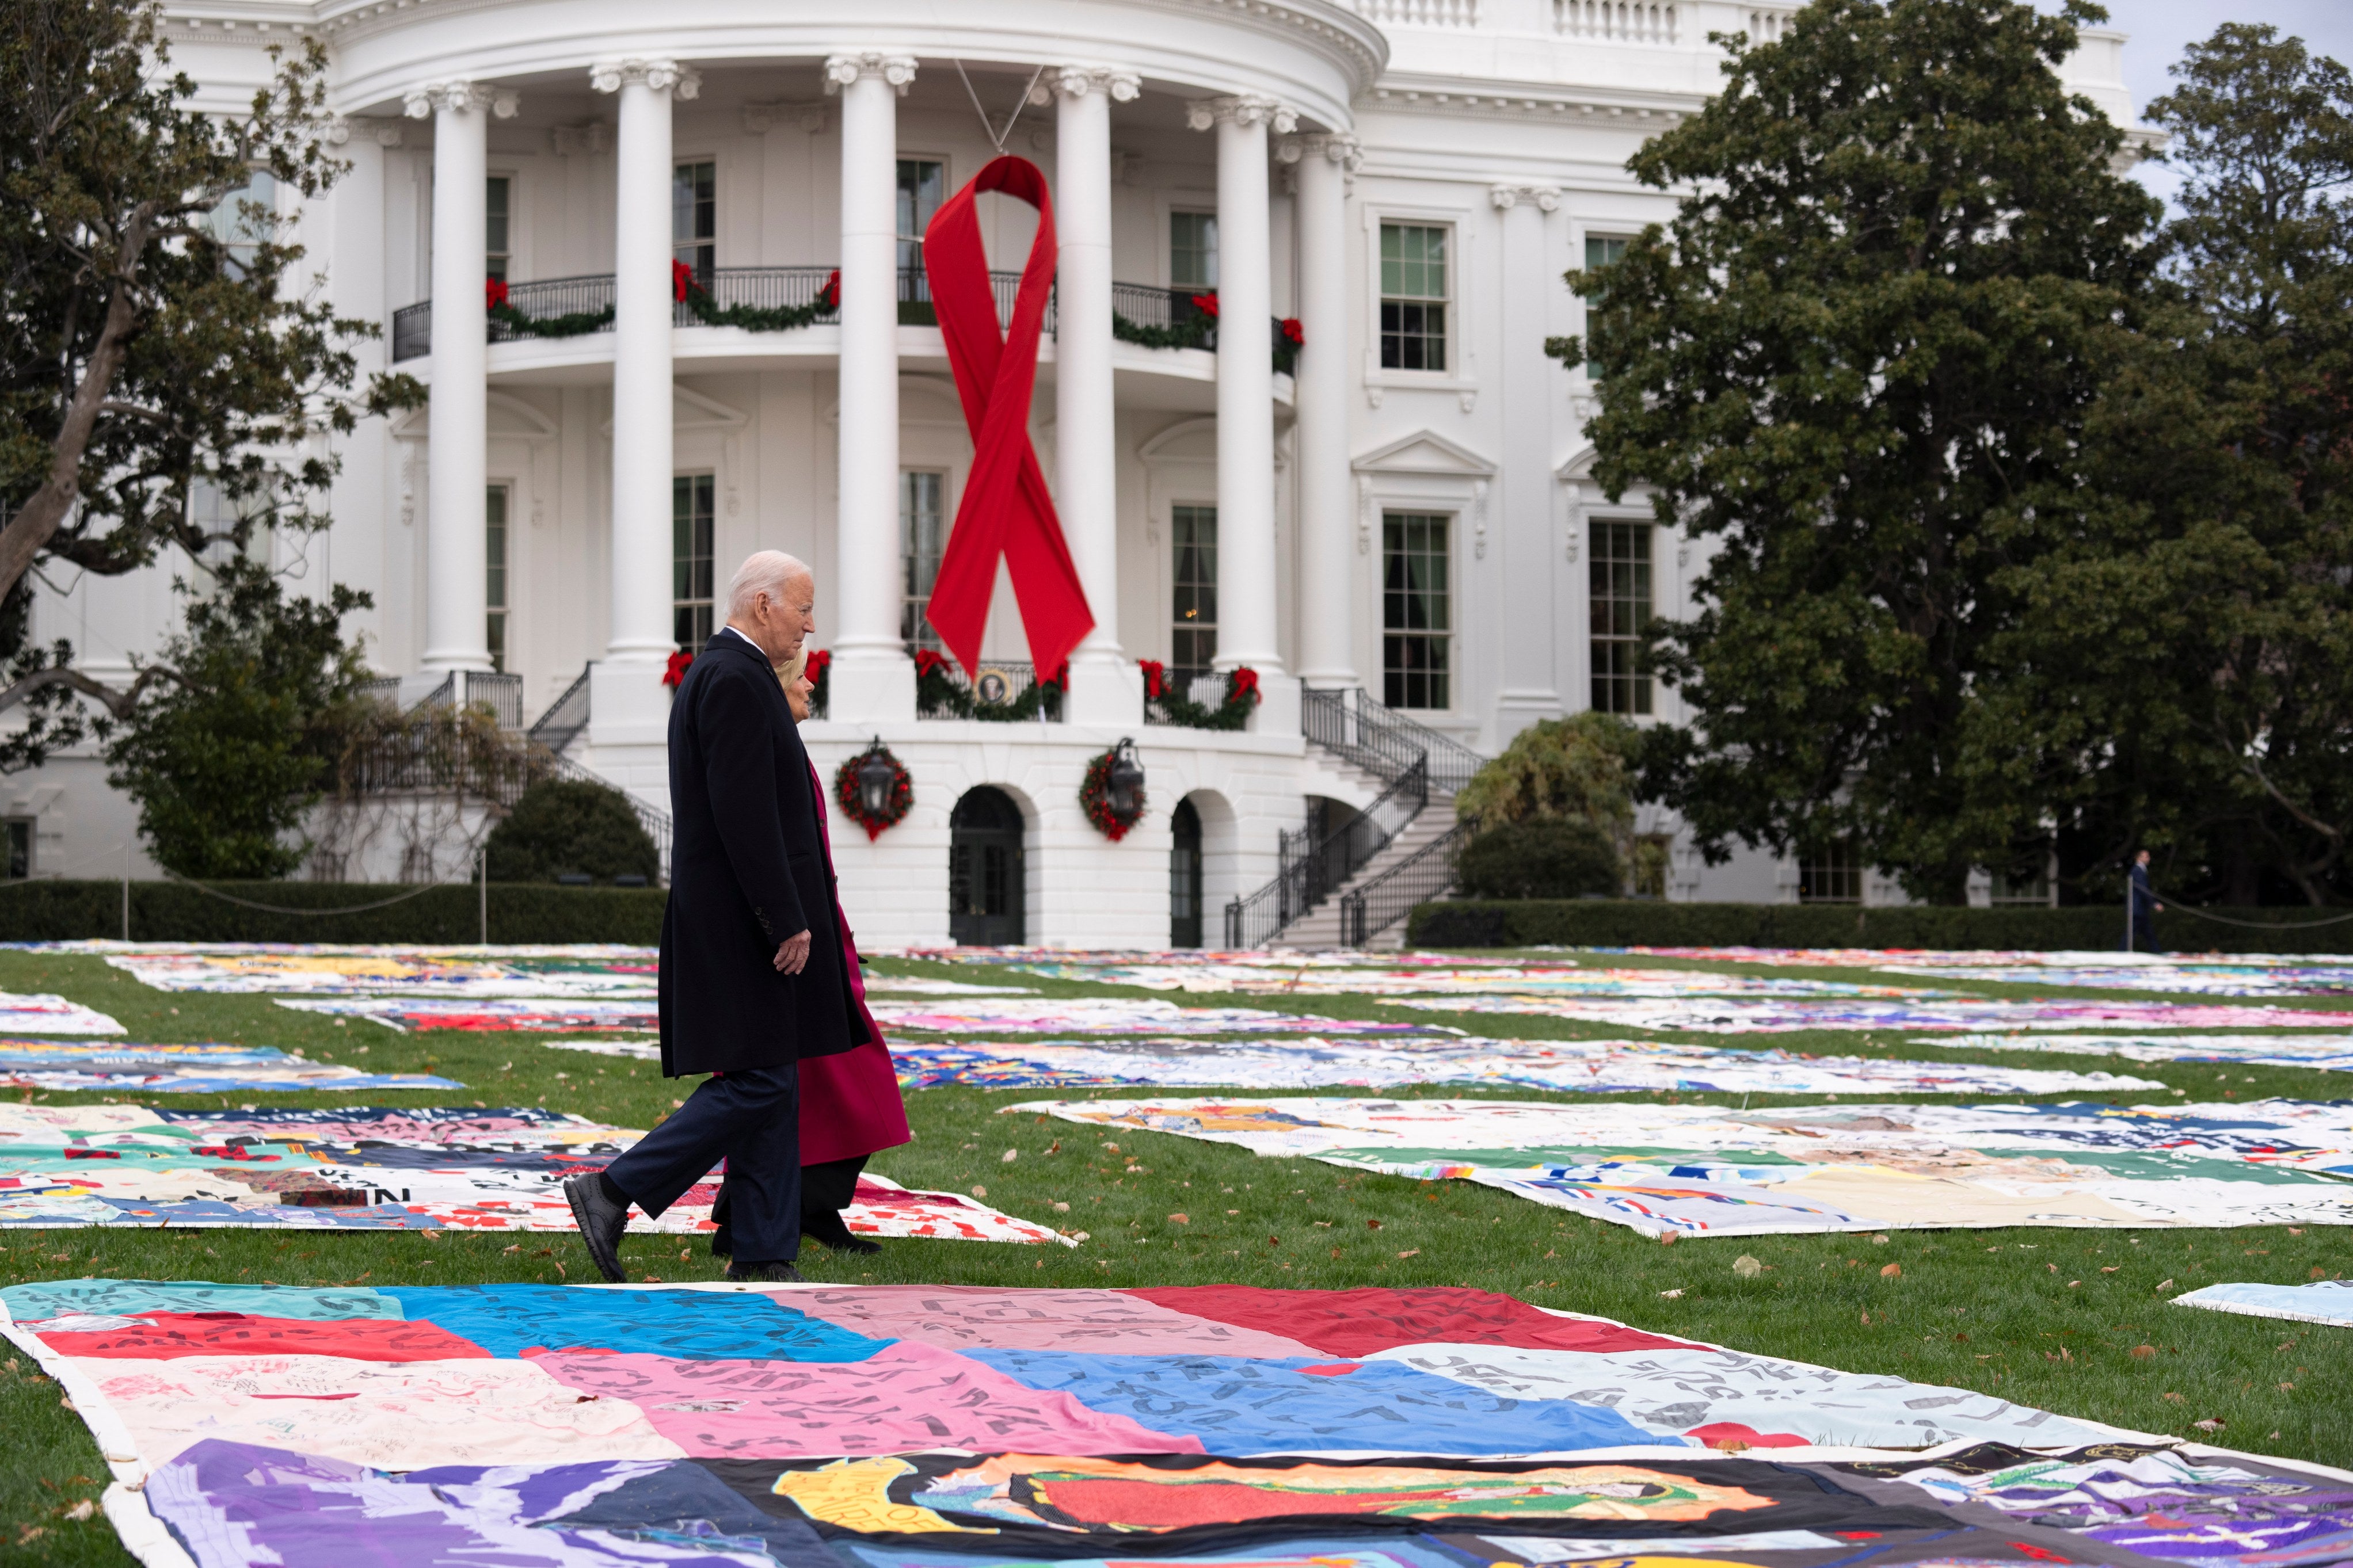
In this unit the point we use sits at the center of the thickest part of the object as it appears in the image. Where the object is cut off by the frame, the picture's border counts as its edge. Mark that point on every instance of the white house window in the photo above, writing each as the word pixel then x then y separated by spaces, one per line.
pixel 690 532
pixel 1619 573
pixel 694 217
pixel 237 225
pixel 1830 874
pixel 1416 611
pixel 1192 250
pixel 1193 636
pixel 498 225
pixel 19 848
pixel 1601 251
pixel 922 535
pixel 494 576
pixel 923 186
pixel 1413 296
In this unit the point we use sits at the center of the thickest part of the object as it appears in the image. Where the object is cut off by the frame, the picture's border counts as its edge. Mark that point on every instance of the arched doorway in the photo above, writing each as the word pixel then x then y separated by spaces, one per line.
pixel 1185 877
pixel 985 871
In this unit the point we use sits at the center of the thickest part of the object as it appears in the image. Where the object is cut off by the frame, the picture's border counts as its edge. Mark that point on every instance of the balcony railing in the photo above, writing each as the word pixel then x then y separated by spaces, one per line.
pixel 578 304
pixel 1000 695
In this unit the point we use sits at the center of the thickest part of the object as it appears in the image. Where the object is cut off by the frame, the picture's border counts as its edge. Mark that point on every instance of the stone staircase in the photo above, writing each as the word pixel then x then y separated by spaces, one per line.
pixel 1320 927
pixel 1418 771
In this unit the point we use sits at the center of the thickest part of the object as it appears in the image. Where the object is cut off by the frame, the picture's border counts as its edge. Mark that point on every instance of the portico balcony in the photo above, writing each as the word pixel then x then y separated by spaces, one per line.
pixel 583 306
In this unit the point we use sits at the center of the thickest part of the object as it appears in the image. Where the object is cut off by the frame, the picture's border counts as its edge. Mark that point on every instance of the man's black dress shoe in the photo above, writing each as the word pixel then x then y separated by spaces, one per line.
pixel 601 1223
pixel 763 1272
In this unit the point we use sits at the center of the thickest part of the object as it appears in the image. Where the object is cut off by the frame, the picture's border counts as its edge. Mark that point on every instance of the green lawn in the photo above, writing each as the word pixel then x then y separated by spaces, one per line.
pixel 2048 1318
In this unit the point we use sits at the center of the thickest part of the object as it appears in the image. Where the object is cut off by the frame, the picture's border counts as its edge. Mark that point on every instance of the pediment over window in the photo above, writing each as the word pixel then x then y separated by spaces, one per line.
pixel 1186 441
pixel 507 418
pixel 691 410
pixel 1425 452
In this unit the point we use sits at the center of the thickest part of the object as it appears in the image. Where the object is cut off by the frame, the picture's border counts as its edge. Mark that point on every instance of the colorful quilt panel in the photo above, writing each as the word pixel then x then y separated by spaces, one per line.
pixel 2321 1301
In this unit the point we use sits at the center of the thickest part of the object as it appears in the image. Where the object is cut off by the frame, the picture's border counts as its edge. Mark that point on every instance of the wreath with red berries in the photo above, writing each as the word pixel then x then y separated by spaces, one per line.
pixel 853 804
pixel 1094 798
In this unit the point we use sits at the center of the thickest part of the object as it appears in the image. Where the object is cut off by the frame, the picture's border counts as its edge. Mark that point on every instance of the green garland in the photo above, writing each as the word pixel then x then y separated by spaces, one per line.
pixel 1233 713
pixel 1194 334
pixel 567 326
pixel 938 690
pixel 756 318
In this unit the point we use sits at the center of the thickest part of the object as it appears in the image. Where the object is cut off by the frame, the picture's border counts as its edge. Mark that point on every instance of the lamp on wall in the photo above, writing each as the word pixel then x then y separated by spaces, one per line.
pixel 875 778
pixel 1126 781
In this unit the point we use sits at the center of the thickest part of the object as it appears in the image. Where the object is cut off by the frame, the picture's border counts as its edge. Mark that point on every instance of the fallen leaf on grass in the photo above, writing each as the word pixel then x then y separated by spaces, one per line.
pixel 978 1191
pixel 1369 1225
pixel 1747 1268
pixel 2209 1425
pixel 2163 1286
pixel 2169 1394
pixel 1671 1295
pixel 1893 1271
pixel 2142 1353
pixel 1410 1252
pixel 1180 1219
pixel 81 1509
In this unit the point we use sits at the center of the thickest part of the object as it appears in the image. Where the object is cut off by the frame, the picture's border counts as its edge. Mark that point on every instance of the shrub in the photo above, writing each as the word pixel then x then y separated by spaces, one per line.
pixel 570 827
pixel 1565 857
pixel 1579 767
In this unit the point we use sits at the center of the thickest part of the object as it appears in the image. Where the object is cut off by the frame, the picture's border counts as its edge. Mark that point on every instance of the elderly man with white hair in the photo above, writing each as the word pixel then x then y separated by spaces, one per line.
pixel 745 993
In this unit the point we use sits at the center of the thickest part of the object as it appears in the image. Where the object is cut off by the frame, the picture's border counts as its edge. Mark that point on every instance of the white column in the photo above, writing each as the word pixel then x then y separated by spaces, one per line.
pixel 1105 687
pixel 874 681
pixel 639 634
pixel 1246 632
pixel 1528 688
pixel 457 627
pixel 1327 591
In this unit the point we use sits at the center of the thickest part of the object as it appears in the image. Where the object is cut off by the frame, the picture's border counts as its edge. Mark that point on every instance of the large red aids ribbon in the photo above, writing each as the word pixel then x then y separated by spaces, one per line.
pixel 1006 508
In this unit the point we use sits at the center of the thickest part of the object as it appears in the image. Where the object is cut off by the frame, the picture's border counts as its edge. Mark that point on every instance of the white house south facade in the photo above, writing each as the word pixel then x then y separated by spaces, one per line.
pixel 1360 477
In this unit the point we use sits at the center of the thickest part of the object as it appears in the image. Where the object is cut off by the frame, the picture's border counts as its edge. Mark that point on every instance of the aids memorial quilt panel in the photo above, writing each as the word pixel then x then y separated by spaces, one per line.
pixel 377 1168
pixel 840 1427
pixel 45 1014
pixel 2328 1053
pixel 194 1068
pixel 574 972
pixel 2321 1301
pixel 1592 1067
pixel 1743 1015
pixel 1720 1171
pixel 1118 1016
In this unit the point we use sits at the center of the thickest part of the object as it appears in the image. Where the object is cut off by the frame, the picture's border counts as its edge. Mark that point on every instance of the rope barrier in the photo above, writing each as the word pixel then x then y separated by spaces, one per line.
pixel 2172 903
pixel 282 910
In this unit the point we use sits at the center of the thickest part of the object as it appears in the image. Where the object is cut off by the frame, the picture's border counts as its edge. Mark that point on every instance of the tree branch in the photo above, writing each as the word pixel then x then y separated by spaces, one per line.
pixel 118 703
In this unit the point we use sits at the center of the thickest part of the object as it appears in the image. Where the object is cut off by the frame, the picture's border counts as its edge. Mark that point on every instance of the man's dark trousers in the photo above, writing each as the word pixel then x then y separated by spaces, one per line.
pixel 754 1113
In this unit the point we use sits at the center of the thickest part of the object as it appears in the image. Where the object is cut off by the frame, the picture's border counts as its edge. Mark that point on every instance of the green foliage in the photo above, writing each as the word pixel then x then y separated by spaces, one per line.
pixel 571 827
pixel 226 757
pixel 1449 924
pixel 1554 857
pixel 2184 676
pixel 60 911
pixel 167 372
pixel 1861 362
pixel 1580 767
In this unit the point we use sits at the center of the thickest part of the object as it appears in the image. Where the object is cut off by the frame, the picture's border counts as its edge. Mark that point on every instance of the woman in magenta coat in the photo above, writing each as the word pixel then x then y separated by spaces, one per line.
pixel 851 1107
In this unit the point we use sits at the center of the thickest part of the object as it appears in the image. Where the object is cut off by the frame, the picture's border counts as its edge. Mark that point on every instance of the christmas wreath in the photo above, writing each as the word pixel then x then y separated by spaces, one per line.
pixel 689 291
pixel 852 798
pixel 1241 696
pixel 1094 798
pixel 939 693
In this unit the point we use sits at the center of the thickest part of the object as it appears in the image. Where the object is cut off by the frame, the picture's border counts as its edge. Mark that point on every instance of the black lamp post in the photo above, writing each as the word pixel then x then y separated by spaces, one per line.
pixel 1125 786
pixel 875 777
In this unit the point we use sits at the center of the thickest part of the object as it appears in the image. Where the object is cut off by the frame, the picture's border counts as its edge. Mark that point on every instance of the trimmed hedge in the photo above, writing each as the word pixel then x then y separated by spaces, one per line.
pixel 1629 922
pixel 177 912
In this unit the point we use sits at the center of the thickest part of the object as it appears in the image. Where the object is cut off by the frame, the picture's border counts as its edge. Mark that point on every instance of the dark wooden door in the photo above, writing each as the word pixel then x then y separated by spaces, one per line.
pixel 986 871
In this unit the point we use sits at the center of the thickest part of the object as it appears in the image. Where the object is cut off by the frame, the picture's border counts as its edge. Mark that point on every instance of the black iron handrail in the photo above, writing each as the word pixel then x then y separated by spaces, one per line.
pixel 565 717
pixel 1428 873
pixel 1382 742
pixel 1309 873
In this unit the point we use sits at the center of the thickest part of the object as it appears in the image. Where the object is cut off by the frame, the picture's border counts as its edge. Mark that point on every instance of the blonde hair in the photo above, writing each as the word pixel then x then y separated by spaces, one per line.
pixel 788 674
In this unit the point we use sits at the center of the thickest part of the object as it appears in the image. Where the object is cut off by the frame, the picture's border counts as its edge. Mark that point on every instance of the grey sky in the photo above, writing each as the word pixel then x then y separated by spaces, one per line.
pixel 2160 29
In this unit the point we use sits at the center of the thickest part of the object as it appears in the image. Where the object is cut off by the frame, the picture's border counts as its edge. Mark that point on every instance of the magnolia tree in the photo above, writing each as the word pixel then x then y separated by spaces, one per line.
pixel 167 387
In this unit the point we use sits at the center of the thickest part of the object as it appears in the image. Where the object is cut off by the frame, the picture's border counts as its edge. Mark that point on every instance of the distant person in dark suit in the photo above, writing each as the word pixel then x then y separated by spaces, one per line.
pixel 746 994
pixel 2144 907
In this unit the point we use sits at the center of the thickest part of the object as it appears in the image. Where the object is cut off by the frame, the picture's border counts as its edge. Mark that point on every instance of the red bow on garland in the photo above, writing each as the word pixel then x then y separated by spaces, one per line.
pixel 675 672
pixel 1007 510
pixel 928 659
pixel 1207 304
pixel 818 661
pixel 494 294
pixel 1293 333
pixel 831 293
pixel 1155 676
pixel 682 278
pixel 1242 680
